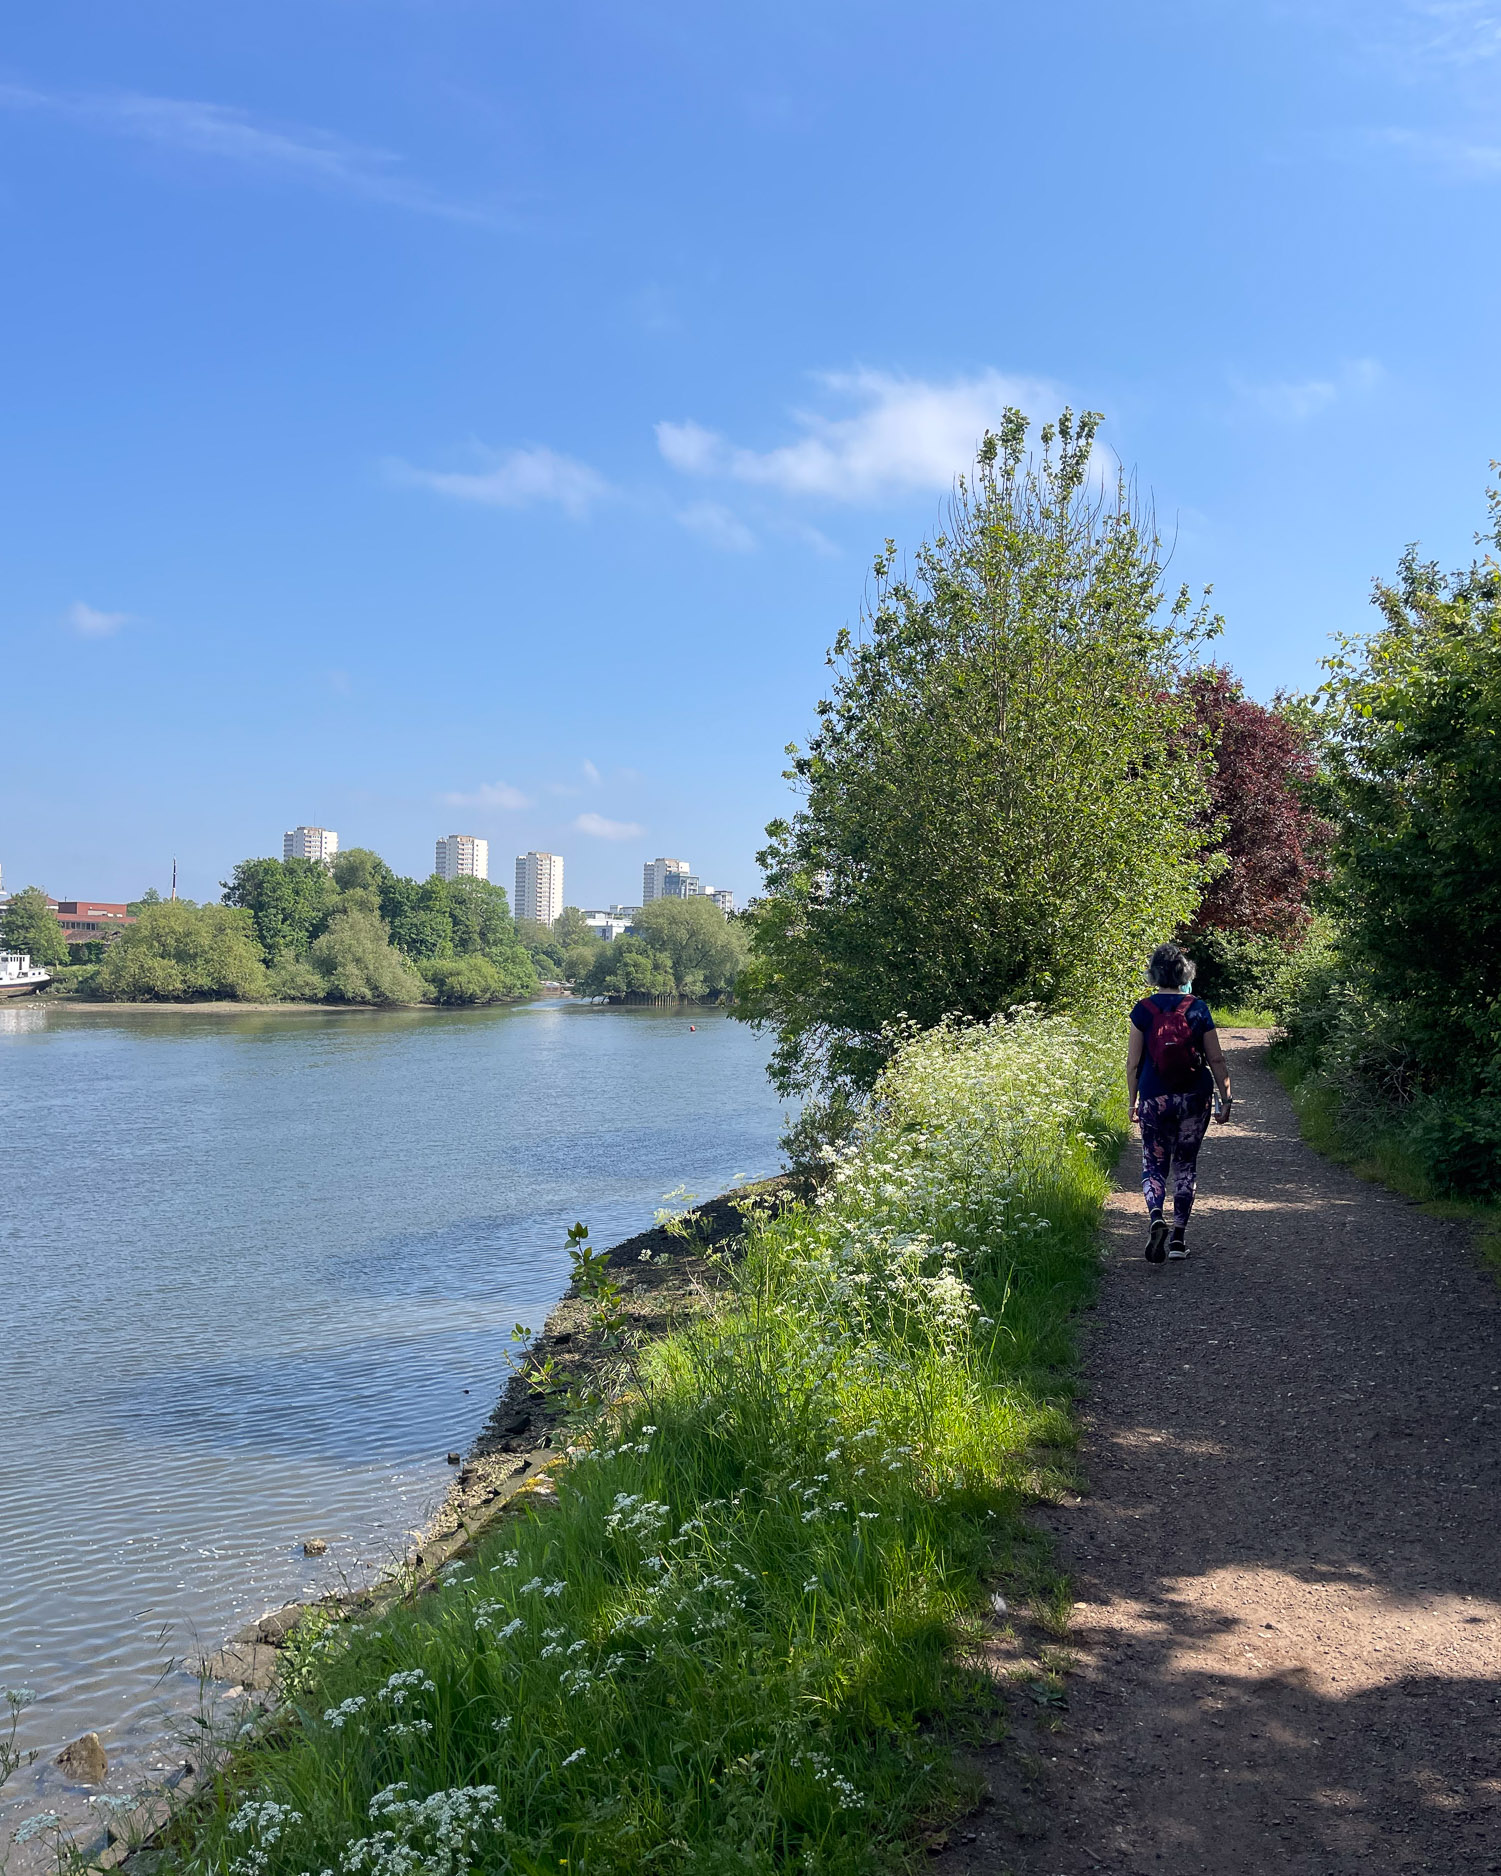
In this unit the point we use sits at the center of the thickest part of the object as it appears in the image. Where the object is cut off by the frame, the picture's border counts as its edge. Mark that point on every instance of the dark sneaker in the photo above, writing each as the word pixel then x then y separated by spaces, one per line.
pixel 1177 1246
pixel 1157 1241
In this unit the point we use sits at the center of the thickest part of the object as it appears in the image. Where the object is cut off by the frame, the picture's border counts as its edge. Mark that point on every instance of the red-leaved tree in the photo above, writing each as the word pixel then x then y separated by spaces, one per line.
pixel 1275 843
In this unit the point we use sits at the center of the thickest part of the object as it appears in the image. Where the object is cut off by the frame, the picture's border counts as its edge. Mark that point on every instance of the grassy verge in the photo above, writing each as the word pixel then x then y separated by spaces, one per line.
pixel 1384 1157
pixel 1247 1018
pixel 733 1641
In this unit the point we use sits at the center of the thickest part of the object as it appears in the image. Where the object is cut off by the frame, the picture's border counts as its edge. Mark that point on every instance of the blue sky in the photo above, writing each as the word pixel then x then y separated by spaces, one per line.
pixel 448 415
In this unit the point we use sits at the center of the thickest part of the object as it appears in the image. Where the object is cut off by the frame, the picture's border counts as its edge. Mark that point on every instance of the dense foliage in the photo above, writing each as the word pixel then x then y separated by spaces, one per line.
pixel 1266 832
pixel 29 924
pixel 288 900
pixel 563 952
pixel 1263 832
pixel 1000 800
pixel 675 947
pixel 296 930
pixel 1400 1010
pixel 295 902
pixel 721 1650
pixel 179 951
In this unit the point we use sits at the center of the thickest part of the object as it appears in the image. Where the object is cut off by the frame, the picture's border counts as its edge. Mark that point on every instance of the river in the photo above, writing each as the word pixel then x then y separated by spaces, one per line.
pixel 259 1277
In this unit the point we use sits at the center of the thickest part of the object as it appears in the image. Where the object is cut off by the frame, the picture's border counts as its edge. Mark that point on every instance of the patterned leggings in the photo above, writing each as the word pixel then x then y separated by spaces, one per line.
pixel 1172 1131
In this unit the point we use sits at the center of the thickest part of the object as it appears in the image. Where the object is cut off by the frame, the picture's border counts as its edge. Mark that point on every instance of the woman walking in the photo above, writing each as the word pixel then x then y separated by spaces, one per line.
pixel 1174 1066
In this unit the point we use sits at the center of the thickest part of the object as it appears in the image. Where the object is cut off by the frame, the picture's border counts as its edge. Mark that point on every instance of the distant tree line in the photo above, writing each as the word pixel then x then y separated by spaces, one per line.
pixel 358 932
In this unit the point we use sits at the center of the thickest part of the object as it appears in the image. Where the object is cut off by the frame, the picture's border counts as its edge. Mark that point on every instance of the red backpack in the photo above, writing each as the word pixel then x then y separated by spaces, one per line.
pixel 1175 1054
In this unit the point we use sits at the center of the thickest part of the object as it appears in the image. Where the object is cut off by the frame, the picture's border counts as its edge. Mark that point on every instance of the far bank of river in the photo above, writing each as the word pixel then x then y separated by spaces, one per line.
pixel 260 1278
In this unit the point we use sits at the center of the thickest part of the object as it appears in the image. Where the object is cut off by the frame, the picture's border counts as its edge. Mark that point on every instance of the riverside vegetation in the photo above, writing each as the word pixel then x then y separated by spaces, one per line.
pixel 296 931
pixel 722 1648
pixel 735 1640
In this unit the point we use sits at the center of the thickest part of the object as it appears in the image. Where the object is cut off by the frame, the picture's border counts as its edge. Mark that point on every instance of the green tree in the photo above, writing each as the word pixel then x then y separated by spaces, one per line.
pixel 482 924
pixel 149 897
pixel 546 954
pixel 569 929
pixel 289 900
pixel 419 916
pixel 629 967
pixel 998 803
pixel 29 924
pixel 1415 765
pixel 178 952
pixel 361 868
pixel 706 950
pixel 469 979
pixel 356 963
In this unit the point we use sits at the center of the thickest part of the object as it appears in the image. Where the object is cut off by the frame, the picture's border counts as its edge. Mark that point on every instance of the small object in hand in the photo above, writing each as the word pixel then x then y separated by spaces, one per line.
pixel 315 1547
pixel 1222 1106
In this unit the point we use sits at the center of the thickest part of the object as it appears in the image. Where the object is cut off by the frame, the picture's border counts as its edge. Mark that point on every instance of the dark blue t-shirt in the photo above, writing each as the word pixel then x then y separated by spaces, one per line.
pixel 1149 1083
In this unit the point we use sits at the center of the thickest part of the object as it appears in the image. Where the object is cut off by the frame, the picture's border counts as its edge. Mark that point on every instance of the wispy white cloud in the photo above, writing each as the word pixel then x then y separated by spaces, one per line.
pixel 608 830
pixel 1459 31
pixel 1297 400
pixel 591 773
pixel 225 134
pixel 490 795
pixel 898 433
pixel 89 622
pixel 514 478
pixel 714 523
pixel 1465 159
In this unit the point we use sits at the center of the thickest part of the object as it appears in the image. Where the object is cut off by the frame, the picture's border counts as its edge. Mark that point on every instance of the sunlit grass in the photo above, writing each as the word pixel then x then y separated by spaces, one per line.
pixel 720 1650
pixel 1383 1156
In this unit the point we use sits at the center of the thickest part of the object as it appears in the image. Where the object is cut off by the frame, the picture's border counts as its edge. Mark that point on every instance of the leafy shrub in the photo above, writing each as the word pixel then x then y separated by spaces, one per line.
pixel 355 962
pixel 1459 1142
pixel 1238 969
pixel 293 980
pixel 177 951
pixel 629 967
pixel 464 980
pixel 75 980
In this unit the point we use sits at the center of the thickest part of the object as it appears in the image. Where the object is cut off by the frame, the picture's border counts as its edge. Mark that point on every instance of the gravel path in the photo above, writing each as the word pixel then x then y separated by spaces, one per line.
pixel 1289 1558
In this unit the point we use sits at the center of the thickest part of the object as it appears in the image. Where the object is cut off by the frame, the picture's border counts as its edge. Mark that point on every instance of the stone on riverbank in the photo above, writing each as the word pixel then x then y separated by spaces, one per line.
pixel 84 1760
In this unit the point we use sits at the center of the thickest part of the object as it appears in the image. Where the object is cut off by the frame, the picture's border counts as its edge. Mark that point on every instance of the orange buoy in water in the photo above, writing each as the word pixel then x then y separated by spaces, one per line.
pixel 692 1027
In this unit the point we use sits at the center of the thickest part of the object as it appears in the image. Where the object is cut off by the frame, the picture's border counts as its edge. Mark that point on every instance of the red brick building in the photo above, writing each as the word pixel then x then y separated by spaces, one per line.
pixel 84 920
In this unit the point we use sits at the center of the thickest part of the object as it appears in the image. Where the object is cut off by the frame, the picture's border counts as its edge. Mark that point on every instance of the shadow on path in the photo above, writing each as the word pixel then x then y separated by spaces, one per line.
pixel 1289 1560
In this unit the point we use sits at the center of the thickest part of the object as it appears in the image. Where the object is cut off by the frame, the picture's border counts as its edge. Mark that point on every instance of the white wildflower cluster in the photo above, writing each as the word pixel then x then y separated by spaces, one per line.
pixel 389 1702
pixel 635 1516
pixel 844 1794
pixel 35 1825
pixel 264 1822
pixel 487 1614
pixel 440 1835
pixel 968 1127
pixel 637 1448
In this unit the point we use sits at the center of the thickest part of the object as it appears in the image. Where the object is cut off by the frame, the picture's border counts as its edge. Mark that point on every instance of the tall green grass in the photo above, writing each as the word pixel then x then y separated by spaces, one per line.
pixel 1382 1153
pixel 718 1651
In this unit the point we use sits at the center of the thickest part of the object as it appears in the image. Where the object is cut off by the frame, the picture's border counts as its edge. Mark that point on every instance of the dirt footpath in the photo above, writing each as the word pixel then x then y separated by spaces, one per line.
pixel 1289 1557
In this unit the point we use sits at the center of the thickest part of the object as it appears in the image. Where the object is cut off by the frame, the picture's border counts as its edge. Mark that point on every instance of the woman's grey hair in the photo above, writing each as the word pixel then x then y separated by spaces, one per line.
pixel 1170 967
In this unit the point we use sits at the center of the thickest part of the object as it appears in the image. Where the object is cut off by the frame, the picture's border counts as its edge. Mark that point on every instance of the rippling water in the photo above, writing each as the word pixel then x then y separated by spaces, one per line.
pixel 258 1276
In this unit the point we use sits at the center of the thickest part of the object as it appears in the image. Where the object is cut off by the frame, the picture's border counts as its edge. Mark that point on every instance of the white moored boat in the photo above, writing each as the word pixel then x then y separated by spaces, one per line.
pixel 18 974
